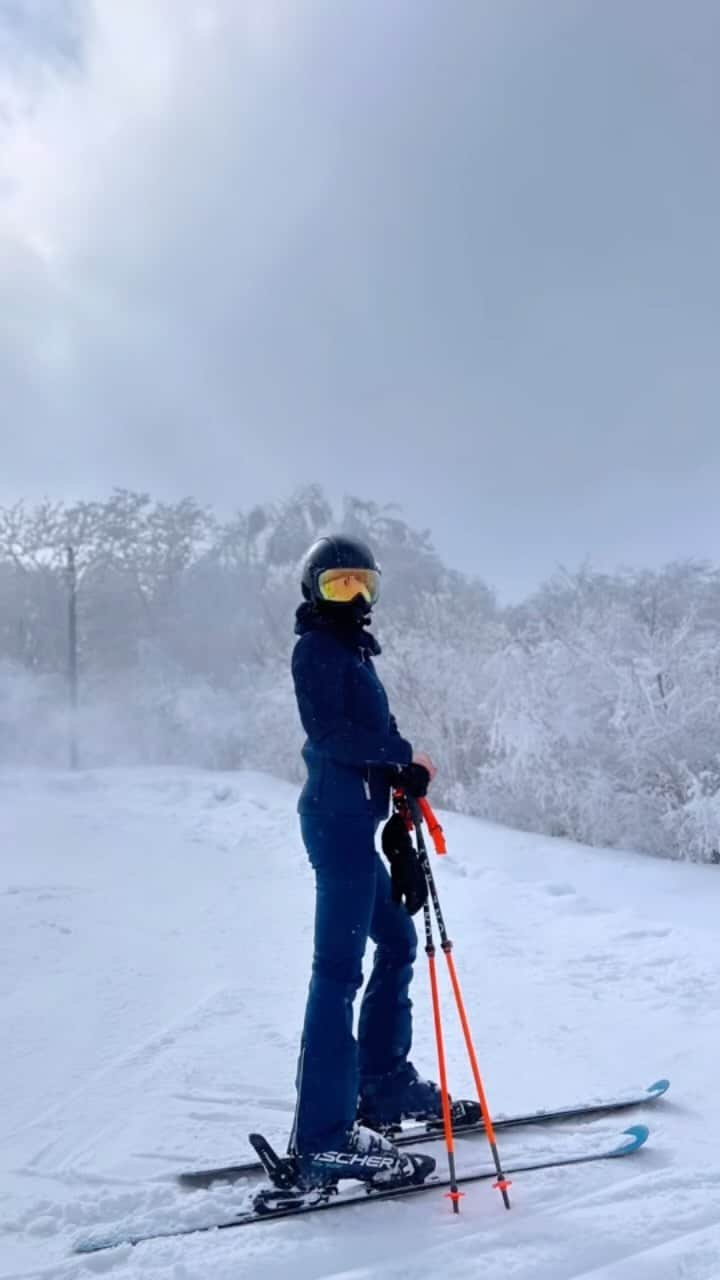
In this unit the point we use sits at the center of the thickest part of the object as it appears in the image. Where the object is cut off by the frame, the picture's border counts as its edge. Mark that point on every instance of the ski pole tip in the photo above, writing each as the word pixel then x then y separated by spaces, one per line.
pixel 455 1197
pixel 502 1185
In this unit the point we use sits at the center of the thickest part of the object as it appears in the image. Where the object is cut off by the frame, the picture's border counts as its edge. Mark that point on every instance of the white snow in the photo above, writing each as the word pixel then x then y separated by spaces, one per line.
pixel 155 936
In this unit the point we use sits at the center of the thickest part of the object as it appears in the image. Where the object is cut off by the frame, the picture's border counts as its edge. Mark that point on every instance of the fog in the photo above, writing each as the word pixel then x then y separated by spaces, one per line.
pixel 589 711
pixel 443 275
pixel 464 254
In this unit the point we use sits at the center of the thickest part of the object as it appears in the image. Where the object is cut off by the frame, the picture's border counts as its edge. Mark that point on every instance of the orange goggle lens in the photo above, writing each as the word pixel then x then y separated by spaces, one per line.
pixel 341 586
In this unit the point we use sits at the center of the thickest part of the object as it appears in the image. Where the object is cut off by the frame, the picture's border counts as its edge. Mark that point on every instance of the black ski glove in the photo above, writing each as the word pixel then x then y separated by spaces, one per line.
pixel 414 779
pixel 408 878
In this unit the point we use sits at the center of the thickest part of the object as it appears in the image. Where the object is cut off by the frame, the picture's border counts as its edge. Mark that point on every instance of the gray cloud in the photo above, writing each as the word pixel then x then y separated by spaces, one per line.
pixel 460 255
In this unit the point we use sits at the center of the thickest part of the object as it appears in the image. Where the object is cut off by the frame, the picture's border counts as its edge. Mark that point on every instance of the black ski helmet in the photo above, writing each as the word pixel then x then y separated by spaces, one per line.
pixel 335 552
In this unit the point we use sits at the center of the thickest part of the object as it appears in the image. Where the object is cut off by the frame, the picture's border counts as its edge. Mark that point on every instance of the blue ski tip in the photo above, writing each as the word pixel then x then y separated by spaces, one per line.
pixel 638 1135
pixel 659 1088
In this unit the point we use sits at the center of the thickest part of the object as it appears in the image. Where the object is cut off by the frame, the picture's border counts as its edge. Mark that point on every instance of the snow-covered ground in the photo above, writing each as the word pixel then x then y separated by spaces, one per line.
pixel 155 935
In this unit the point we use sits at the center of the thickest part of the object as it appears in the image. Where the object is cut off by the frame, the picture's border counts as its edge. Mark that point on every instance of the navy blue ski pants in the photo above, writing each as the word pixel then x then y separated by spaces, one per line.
pixel 353 903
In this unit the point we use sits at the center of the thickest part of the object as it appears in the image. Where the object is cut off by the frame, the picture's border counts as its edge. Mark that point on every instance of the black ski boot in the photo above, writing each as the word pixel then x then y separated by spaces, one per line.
pixel 366 1157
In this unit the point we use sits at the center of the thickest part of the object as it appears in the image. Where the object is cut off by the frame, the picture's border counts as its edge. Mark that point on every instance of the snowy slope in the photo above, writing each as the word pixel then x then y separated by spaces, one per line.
pixel 155 932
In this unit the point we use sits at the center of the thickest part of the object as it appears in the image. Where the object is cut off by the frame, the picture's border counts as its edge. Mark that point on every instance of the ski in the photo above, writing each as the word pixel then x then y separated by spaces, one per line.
pixel 429 1132
pixel 299 1203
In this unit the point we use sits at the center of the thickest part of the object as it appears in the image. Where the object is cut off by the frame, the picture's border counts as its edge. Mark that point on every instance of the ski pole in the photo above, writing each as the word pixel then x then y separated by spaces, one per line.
pixel 433 826
pixel 454 1193
pixel 502 1184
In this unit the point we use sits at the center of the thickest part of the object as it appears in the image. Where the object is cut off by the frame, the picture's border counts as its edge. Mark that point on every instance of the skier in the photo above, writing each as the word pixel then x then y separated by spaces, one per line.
pixel 353 753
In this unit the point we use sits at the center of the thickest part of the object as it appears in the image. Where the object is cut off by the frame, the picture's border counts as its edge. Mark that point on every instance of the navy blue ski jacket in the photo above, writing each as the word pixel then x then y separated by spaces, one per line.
pixel 352 739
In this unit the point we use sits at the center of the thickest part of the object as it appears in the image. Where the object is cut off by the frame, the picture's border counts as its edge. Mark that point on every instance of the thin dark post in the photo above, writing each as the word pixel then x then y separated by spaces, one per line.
pixel 72 654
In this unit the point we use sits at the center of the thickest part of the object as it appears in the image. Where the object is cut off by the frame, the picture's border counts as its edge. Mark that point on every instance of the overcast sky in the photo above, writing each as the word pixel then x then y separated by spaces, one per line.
pixel 463 254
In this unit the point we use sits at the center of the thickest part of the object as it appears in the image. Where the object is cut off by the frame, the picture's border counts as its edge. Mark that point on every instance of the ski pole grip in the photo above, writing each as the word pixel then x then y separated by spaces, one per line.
pixel 433 826
pixel 419 808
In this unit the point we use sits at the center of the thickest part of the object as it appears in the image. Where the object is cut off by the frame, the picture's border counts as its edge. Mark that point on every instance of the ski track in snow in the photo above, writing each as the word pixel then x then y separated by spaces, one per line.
pixel 155 938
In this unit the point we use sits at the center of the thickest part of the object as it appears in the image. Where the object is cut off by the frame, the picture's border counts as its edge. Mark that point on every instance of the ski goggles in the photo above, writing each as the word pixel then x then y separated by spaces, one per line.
pixel 342 586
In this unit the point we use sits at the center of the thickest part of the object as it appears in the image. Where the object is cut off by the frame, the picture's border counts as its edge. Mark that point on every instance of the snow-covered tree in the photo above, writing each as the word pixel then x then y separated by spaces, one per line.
pixel 591 710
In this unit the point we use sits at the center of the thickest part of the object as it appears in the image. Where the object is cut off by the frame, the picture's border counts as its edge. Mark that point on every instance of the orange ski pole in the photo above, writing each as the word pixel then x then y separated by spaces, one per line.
pixel 436 831
pixel 454 1194
pixel 433 826
pixel 503 1184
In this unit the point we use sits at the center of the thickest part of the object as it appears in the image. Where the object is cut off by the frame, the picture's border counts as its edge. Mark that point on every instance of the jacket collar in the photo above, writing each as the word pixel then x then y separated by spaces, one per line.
pixel 351 633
